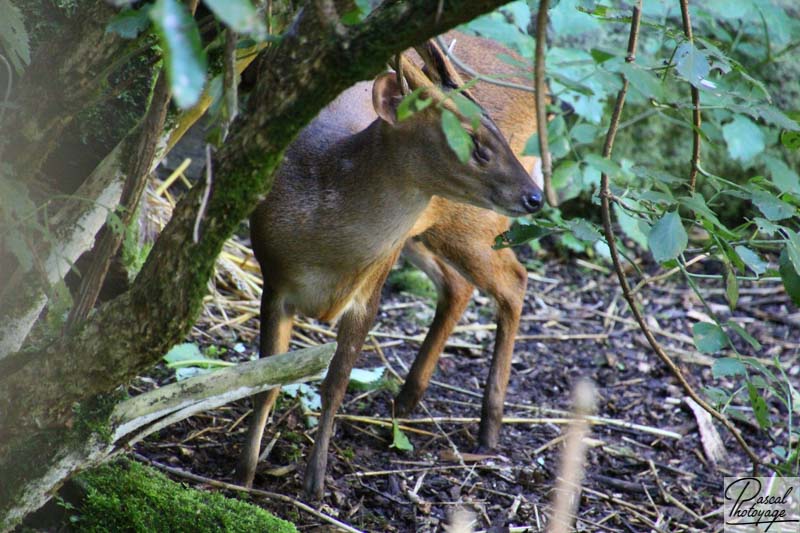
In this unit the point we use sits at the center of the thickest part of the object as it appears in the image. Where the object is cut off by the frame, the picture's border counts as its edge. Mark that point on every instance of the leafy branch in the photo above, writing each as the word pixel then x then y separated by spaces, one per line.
pixel 605 198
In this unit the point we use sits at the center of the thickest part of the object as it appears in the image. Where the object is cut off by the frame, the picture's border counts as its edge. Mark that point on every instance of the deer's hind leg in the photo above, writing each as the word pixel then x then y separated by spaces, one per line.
pixel 463 243
pixel 453 293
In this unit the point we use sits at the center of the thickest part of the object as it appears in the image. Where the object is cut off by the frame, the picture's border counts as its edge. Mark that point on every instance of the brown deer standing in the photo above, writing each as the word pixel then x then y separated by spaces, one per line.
pixel 353 187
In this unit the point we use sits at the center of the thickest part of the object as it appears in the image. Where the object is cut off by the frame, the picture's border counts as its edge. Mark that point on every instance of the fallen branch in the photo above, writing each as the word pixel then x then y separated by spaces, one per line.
pixel 161 407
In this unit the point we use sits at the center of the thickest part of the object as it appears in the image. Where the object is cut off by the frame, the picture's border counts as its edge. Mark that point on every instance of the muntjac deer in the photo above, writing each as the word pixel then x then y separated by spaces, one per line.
pixel 353 187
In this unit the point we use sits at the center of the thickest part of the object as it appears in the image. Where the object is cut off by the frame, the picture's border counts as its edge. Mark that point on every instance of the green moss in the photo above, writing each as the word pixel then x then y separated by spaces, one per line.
pixel 412 281
pixel 92 415
pixel 133 254
pixel 127 496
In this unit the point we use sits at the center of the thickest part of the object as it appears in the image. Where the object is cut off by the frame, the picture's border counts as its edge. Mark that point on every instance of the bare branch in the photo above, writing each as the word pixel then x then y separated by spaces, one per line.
pixel 541 111
pixel 138 170
pixel 696 116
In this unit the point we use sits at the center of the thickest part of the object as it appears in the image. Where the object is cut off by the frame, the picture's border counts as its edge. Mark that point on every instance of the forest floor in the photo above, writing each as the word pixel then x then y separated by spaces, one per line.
pixel 646 470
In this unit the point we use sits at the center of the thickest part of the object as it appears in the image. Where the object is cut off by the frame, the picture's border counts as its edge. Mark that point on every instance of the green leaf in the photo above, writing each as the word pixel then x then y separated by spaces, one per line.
pixel 584 133
pixel 412 103
pixel 692 65
pixel 601 56
pixel 697 203
pixel 643 81
pixel 363 379
pixel 183 352
pixel 773 115
pixel 239 15
pixel 130 22
pixel 766 227
pixel 793 247
pixel 752 259
pixel 519 234
pixel 668 238
pixel 744 138
pixel 716 395
pixel 635 228
pixel 457 137
pixel 790 139
pixel 656 174
pixel 468 108
pixel 606 166
pixel 790 277
pixel 183 52
pixel 399 439
pixel 584 230
pixel 709 337
pixel 772 207
pixel 744 334
pixel 759 405
pixel 309 398
pixel 564 173
pixel 784 178
pixel 728 366
pixel 13 36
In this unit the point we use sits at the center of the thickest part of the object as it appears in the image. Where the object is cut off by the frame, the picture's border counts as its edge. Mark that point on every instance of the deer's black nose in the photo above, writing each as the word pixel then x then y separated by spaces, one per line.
pixel 532 201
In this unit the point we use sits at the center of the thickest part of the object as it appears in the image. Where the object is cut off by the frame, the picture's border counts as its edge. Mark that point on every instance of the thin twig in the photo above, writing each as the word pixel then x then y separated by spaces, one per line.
pixel 605 196
pixel 696 117
pixel 406 423
pixel 230 85
pixel 448 51
pixel 667 274
pixel 206 194
pixel 541 111
pixel 237 488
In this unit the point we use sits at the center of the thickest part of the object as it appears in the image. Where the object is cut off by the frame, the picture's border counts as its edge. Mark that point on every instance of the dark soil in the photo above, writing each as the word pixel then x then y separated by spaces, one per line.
pixel 635 480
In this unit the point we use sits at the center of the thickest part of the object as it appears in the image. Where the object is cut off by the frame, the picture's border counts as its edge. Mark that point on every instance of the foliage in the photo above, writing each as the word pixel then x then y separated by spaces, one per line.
pixel 187 360
pixel 127 496
pixel 399 439
pixel 412 281
pixel 744 209
pixel 179 38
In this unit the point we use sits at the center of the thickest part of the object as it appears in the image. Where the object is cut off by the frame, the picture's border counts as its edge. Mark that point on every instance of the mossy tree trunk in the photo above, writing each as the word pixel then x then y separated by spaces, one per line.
pixel 42 433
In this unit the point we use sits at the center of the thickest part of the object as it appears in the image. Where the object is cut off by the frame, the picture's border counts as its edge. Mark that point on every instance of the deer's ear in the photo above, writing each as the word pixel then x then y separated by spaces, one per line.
pixel 386 96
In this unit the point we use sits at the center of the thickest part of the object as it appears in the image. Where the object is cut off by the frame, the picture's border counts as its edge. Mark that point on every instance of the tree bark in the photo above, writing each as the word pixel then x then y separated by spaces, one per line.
pixel 312 64
pixel 132 420
pixel 66 74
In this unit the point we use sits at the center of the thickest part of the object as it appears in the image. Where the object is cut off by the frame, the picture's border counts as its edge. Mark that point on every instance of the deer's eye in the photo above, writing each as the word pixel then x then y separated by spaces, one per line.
pixel 480 153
